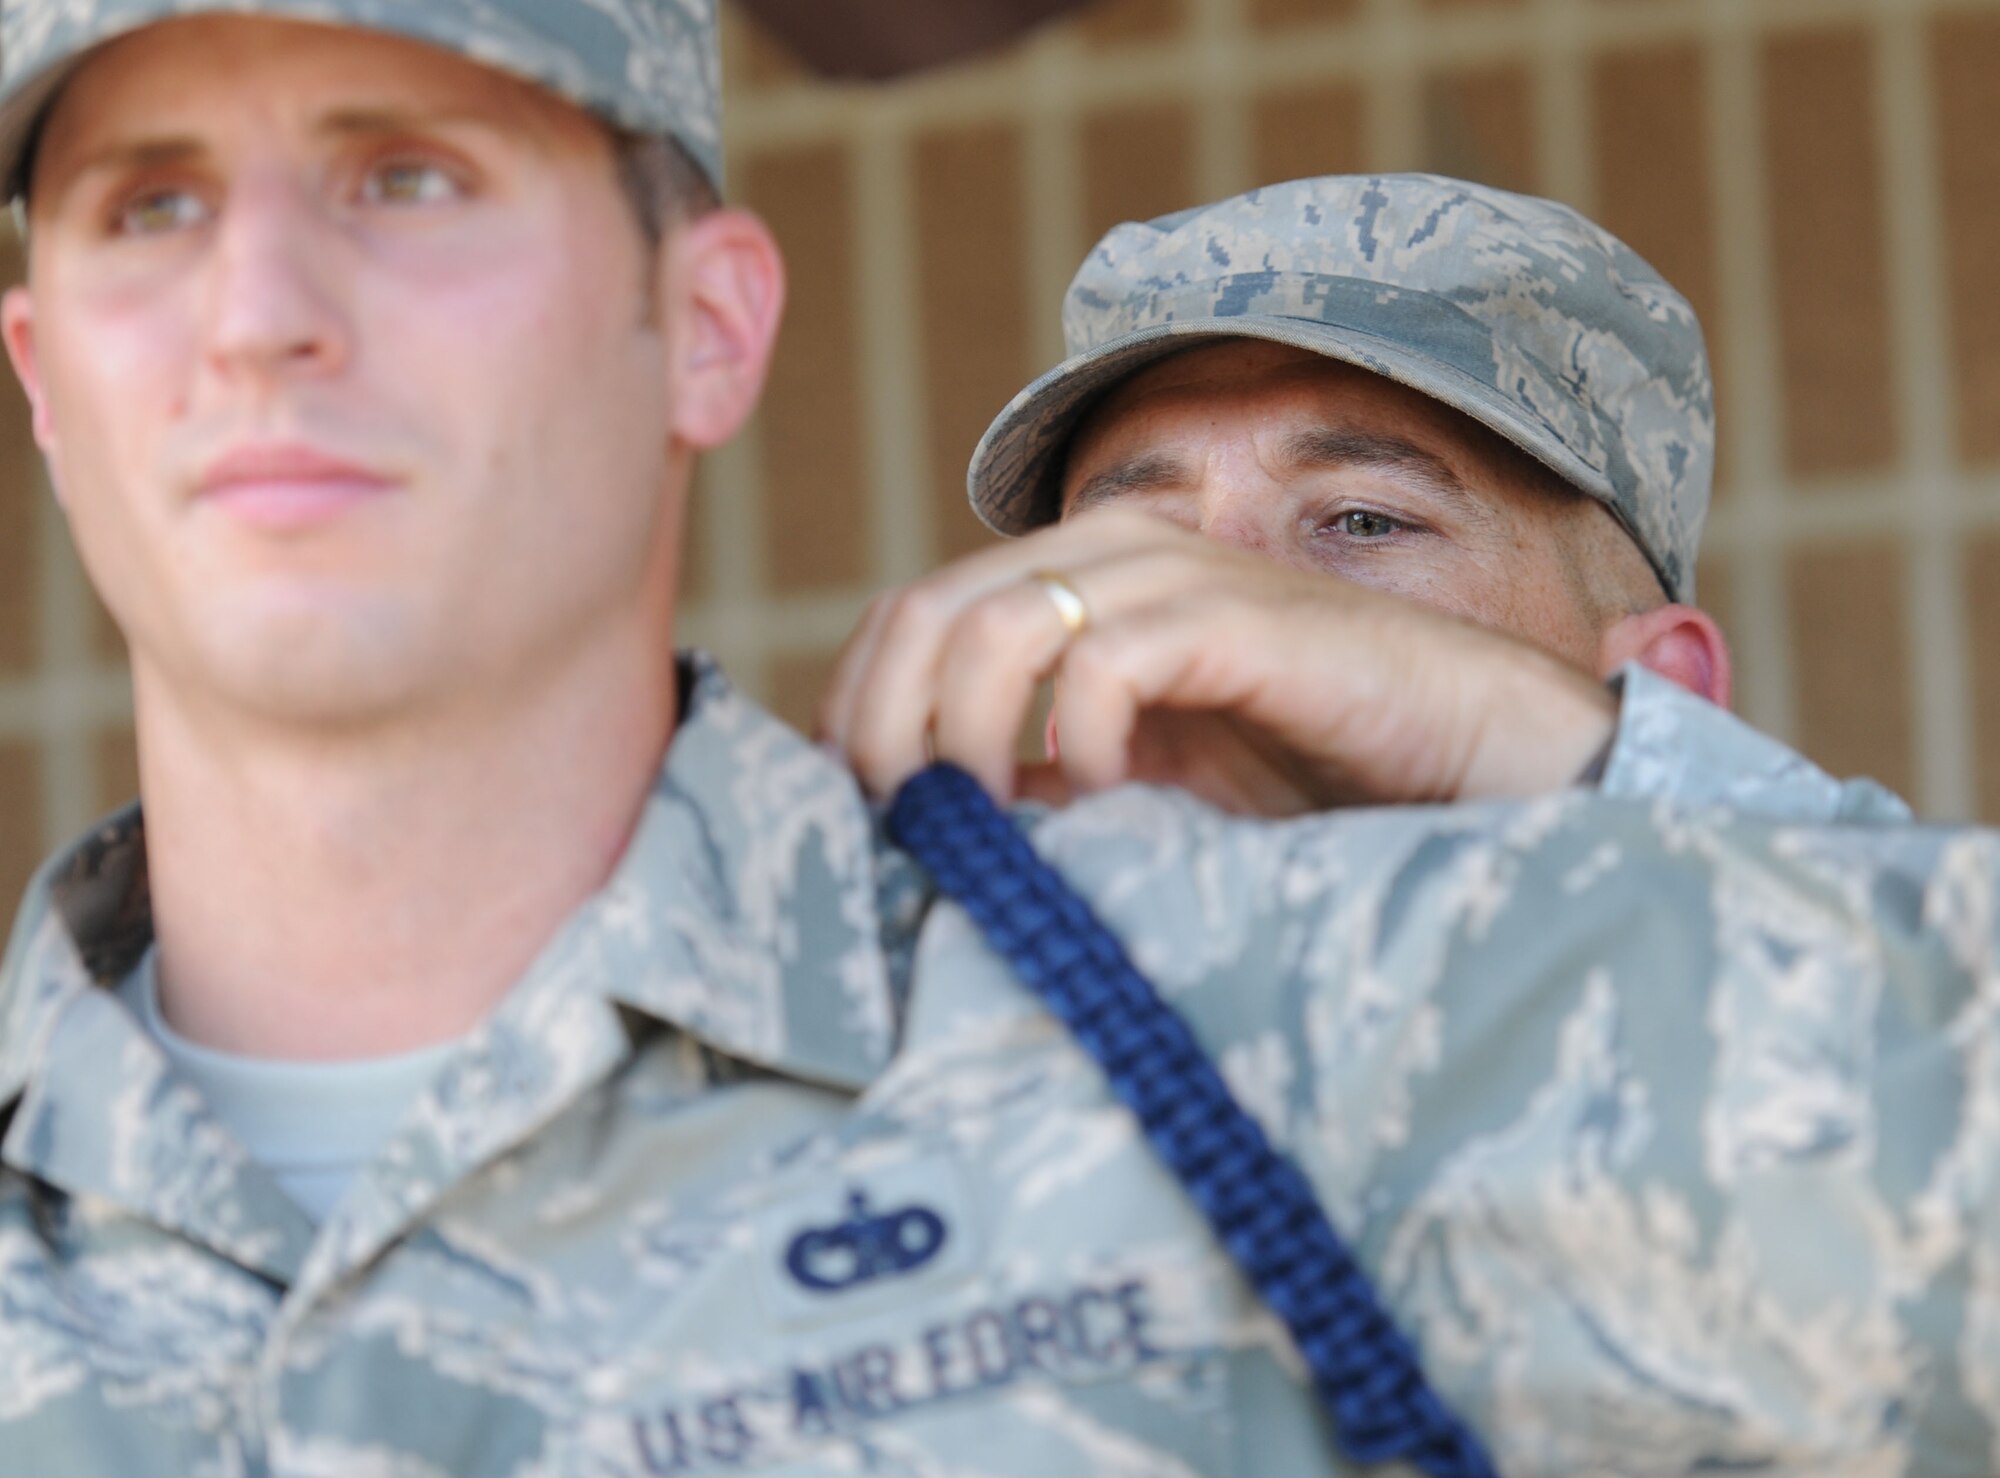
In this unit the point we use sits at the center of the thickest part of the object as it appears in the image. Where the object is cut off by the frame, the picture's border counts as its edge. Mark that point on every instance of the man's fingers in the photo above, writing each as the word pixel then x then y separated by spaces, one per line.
pixel 947 667
pixel 1107 679
pixel 835 722
pixel 1003 644
pixel 876 710
pixel 996 653
pixel 889 711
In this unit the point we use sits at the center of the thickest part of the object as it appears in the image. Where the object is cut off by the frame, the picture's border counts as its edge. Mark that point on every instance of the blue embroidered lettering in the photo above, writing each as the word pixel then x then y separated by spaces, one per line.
pixel 866 1381
pixel 1084 1329
pixel 725 1434
pixel 1132 1299
pixel 810 1407
pixel 662 1447
pixel 993 1356
pixel 1041 1327
pixel 1080 1304
pixel 938 1353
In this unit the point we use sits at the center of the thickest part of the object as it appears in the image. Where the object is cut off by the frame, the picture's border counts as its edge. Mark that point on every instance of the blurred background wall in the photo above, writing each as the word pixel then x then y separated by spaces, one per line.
pixel 1821 177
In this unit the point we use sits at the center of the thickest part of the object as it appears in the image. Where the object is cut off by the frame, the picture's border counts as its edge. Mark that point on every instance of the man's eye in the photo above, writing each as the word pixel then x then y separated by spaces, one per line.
pixel 1360 523
pixel 158 212
pixel 409 182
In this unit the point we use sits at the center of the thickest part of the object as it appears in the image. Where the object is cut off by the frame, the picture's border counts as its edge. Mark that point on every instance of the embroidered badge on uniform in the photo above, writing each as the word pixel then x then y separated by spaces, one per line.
pixel 879 1233
pixel 865 1247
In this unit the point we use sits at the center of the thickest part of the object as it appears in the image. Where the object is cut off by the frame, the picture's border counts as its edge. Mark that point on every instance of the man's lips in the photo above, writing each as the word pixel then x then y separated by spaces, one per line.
pixel 287 486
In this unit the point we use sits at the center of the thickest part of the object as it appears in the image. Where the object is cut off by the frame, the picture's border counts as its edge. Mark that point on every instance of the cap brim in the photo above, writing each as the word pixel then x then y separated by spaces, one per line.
pixel 1016 474
pixel 432 24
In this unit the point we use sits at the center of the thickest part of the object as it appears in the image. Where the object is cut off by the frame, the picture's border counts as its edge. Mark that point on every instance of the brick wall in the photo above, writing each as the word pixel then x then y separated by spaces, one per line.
pixel 1822 177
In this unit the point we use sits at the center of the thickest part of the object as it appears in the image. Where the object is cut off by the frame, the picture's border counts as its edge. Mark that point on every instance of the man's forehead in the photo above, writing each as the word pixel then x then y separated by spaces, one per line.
pixel 1314 411
pixel 247 56
pixel 158 94
pixel 1253 375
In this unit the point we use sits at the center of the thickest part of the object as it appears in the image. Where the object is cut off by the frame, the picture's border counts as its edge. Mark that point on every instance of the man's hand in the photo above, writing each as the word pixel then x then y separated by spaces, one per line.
pixel 1263 689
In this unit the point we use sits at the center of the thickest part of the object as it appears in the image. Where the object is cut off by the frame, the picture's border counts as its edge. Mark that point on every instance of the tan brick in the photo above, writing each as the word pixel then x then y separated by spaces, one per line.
pixel 20 572
pixel 815 501
pixel 1982 585
pixel 974 298
pixel 796 682
pixel 697 576
pixel 21 494
pixel 1651 180
pixel 107 642
pixel 1849 657
pixel 1122 22
pixel 1136 165
pixel 20 821
pixel 1829 272
pixel 1965 58
pixel 1309 131
pixel 1480 125
pixel 115 761
pixel 1281 15
pixel 753 57
pixel 1715 590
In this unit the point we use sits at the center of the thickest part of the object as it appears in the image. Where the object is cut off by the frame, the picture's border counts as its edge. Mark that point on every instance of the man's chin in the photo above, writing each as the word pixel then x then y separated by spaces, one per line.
pixel 326 701
pixel 324 676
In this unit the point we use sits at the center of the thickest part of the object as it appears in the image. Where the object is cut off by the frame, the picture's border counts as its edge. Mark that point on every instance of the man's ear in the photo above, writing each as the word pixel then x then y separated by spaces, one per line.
pixel 17 325
pixel 731 295
pixel 1681 643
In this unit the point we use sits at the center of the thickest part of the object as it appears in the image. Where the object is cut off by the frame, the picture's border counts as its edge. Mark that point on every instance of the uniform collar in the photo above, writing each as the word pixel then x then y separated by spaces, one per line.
pixel 745 911
pixel 85 919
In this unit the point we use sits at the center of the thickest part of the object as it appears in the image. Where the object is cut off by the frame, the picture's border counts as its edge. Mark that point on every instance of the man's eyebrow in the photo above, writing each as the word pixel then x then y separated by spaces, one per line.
pixel 150 152
pixel 137 154
pixel 1326 448
pixel 390 120
pixel 1144 473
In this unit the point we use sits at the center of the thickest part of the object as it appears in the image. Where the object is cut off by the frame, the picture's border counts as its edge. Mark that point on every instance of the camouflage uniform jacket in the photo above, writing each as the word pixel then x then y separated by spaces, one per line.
pixel 1671 1137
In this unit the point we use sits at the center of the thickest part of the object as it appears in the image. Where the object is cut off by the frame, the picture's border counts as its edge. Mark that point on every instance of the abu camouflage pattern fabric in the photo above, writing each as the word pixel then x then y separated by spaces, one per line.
pixel 1517 312
pixel 646 66
pixel 1670 1134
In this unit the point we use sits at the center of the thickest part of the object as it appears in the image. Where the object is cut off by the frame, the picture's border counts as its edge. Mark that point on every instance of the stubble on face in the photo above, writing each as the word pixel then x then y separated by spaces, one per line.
pixel 368 252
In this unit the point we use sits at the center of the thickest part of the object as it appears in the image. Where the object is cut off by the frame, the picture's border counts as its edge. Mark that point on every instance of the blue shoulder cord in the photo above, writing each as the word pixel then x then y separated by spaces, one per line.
pixel 1260 1205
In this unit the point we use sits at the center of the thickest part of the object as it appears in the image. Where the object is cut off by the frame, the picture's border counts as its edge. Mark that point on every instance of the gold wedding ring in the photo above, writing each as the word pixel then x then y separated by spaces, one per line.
pixel 1070 607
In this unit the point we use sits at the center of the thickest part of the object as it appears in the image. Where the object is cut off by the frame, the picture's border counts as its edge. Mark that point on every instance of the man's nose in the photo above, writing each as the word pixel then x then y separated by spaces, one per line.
pixel 273 308
pixel 1249 514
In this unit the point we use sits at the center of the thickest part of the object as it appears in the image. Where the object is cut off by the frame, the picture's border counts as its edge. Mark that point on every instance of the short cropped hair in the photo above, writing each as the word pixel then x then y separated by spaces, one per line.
pixel 663 184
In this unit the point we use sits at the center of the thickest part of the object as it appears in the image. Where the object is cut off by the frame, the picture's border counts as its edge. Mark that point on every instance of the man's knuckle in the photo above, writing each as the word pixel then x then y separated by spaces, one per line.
pixel 914 612
pixel 985 627
pixel 1097 657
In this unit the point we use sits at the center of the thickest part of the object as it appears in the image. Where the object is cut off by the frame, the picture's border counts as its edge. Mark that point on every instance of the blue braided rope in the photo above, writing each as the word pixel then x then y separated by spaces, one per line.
pixel 1260 1205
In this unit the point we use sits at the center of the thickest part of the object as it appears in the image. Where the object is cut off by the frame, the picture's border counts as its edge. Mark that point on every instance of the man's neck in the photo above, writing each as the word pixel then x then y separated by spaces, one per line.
pixel 322 898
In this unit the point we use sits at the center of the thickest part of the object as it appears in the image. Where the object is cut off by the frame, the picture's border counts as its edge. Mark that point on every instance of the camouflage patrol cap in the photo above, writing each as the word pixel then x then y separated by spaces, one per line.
pixel 1515 311
pixel 648 66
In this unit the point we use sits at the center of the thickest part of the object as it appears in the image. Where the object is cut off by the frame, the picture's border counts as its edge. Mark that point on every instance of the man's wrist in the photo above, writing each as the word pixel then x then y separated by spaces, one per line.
pixel 1592 774
pixel 1551 727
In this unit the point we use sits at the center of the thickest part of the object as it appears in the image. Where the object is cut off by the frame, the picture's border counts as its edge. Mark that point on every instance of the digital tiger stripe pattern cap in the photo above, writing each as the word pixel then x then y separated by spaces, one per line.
pixel 1514 311
pixel 646 66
